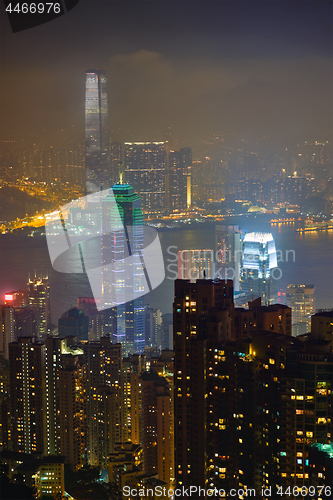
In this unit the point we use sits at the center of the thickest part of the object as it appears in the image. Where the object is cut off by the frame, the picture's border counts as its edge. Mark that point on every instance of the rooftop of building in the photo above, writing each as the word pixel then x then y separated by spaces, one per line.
pixel 325 314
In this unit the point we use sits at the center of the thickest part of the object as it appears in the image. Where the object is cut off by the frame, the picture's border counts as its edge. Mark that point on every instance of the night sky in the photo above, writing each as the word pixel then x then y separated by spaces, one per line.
pixel 202 67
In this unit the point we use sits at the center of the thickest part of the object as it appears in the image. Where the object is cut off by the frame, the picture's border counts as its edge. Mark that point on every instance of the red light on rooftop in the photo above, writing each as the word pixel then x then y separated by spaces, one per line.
pixel 8 297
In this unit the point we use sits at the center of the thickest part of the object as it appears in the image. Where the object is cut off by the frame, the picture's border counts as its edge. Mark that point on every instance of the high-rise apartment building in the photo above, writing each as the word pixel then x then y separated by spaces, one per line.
pixel 156 425
pixel 104 395
pixel 301 298
pixel 7 329
pixel 259 261
pixel 98 175
pixel 27 395
pixel 72 428
pixel 192 300
pixel 306 409
pixel 195 264
pixel 120 242
pixel 39 298
pixel 145 169
pixel 133 367
pixel 164 366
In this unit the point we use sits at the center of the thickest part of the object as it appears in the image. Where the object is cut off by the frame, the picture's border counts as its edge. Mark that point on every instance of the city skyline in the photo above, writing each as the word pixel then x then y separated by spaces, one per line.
pixel 166 224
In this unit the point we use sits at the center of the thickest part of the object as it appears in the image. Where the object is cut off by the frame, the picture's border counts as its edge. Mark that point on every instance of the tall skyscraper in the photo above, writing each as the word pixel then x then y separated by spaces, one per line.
pixel 39 298
pixel 145 170
pixel 128 315
pixel 301 300
pixel 228 253
pixel 98 175
pixel 191 374
pixel 259 260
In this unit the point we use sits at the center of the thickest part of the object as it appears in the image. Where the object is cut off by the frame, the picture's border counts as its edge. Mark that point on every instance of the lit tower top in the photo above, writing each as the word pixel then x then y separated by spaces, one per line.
pixel 96 131
pixel 259 261
pixel 259 252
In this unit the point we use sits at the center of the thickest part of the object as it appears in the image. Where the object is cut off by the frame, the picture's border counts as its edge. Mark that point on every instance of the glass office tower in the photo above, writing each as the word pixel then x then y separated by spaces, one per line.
pixel 125 239
pixel 98 173
pixel 259 260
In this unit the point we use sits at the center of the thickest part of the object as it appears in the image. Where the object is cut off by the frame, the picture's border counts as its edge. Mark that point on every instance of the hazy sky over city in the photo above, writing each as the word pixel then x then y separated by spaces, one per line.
pixel 262 67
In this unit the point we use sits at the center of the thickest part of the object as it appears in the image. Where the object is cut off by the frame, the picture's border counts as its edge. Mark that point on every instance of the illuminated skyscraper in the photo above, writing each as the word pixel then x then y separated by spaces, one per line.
pixel 39 298
pixel 124 239
pixel 259 260
pixel 180 163
pixel 145 170
pixel 98 175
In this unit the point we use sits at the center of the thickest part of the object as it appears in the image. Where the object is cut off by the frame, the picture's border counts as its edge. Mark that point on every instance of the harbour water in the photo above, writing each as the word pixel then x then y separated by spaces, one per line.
pixel 304 258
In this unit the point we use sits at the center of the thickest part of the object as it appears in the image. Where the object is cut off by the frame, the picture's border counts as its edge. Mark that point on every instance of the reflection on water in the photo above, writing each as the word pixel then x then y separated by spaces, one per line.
pixel 313 263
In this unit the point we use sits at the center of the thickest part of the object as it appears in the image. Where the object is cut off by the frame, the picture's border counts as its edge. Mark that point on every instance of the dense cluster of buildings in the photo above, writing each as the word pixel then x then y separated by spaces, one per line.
pixel 238 403
pixel 233 390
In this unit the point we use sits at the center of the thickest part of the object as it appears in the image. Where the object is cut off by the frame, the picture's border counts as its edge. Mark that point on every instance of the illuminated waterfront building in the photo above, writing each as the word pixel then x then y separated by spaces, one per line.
pixel 259 261
pixel 195 264
pixel 301 298
pixel 39 298
pixel 127 239
pixel 180 163
pixel 98 175
pixel 145 169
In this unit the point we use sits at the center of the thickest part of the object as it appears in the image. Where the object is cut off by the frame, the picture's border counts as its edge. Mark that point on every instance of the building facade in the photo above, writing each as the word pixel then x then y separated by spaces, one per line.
pixel 98 174
pixel 145 169
pixel 301 298
pixel 259 261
